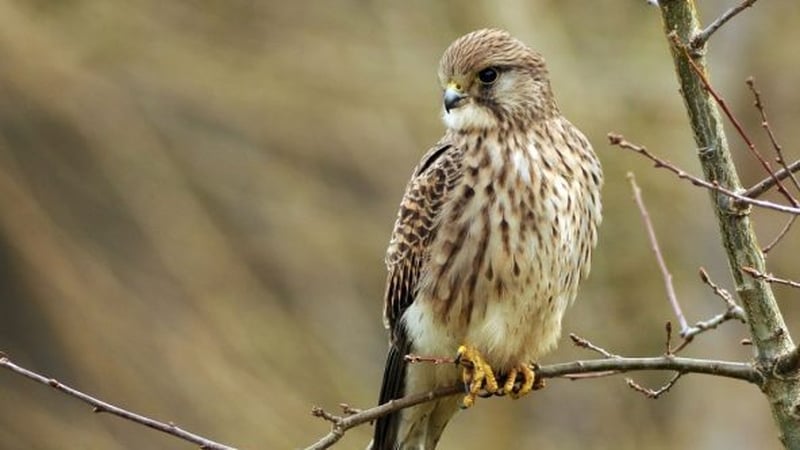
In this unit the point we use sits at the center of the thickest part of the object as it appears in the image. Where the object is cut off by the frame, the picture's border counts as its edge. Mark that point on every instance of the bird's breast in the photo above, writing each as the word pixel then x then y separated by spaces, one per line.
pixel 504 263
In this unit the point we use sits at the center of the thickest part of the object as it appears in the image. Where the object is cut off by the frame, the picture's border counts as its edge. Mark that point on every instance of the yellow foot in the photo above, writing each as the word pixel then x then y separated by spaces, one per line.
pixel 528 379
pixel 477 374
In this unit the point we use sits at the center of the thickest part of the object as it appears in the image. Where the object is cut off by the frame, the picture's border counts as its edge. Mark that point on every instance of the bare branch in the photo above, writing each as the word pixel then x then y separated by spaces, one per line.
pixel 668 343
pixel 780 235
pixel 751 83
pixel 586 376
pixel 733 120
pixel 735 370
pixel 101 406
pixel 700 39
pixel 348 410
pixel 651 393
pixel 584 343
pixel 736 313
pixel 651 234
pixel 768 277
pixel 413 359
pixel 759 104
pixel 767 183
pixel 721 293
pixel 619 140
pixel 340 425
pixel 732 312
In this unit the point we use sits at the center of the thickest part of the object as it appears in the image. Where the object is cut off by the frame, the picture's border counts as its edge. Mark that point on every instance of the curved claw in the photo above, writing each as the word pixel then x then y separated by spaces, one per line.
pixel 527 385
pixel 511 379
pixel 477 374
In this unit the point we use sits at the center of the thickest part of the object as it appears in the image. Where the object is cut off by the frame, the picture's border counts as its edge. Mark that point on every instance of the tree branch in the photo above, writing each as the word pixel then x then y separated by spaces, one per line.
pixel 759 104
pixel 762 111
pixel 767 183
pixel 767 248
pixel 768 277
pixel 654 393
pixel 768 331
pixel 619 140
pixel 735 370
pixel 101 406
pixel 702 37
pixel 665 274
pixel 732 310
pixel 701 76
pixel 584 343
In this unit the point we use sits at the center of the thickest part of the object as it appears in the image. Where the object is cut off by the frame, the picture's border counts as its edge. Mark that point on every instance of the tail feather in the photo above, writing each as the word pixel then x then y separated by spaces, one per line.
pixel 393 387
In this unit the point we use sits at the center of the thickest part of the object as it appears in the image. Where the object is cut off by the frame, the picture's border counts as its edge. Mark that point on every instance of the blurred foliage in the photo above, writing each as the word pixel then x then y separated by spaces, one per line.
pixel 196 196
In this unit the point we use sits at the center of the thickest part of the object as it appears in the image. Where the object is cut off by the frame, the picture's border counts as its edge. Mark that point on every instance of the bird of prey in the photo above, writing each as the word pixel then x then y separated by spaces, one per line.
pixel 494 232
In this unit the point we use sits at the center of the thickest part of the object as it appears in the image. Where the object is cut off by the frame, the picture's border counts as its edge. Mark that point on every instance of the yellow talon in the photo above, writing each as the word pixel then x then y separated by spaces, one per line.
pixel 477 374
pixel 527 385
pixel 508 387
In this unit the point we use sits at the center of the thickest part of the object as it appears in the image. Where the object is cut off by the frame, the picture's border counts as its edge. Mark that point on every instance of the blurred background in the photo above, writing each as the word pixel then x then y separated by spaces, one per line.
pixel 196 196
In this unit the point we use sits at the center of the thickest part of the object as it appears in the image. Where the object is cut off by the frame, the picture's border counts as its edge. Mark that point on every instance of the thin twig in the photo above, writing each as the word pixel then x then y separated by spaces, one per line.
pixel 668 344
pixel 700 39
pixel 735 370
pixel 619 140
pixel 768 277
pixel 348 410
pixel 732 312
pixel 726 296
pixel 759 104
pixel 733 120
pixel 653 393
pixel 780 235
pixel 767 183
pixel 101 406
pixel 413 359
pixel 586 376
pixel 340 425
pixel 651 234
pixel 714 322
pixel 584 343
pixel 762 111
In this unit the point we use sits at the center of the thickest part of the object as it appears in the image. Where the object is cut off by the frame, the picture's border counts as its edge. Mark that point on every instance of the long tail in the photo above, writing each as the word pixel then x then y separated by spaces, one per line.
pixel 393 387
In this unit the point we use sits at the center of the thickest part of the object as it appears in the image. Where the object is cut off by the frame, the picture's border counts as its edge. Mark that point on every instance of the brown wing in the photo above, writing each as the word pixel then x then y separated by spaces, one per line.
pixel 416 225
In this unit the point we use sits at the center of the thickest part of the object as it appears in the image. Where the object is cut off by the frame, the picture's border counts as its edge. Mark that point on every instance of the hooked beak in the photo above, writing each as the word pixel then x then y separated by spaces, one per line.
pixel 453 97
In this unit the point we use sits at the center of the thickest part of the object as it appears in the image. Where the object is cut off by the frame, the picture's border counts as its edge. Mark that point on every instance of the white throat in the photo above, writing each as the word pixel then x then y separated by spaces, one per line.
pixel 468 117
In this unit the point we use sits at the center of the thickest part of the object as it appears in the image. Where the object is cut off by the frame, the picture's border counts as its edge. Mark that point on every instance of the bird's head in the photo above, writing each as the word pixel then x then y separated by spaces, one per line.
pixel 489 78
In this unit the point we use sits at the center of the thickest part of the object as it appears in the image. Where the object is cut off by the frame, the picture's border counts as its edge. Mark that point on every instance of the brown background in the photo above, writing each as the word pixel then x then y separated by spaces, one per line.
pixel 195 198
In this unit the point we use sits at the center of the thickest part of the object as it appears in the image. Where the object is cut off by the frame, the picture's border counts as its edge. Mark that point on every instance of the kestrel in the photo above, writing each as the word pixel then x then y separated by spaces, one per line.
pixel 494 232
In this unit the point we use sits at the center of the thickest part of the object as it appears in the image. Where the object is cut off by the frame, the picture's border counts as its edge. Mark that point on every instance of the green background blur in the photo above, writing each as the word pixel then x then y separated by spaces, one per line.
pixel 196 196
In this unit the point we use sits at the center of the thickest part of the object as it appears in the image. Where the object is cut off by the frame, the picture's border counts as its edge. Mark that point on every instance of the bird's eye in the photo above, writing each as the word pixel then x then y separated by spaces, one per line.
pixel 488 75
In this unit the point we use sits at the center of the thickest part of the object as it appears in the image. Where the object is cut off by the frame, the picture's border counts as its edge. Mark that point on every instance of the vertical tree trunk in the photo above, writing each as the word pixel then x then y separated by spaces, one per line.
pixel 770 337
